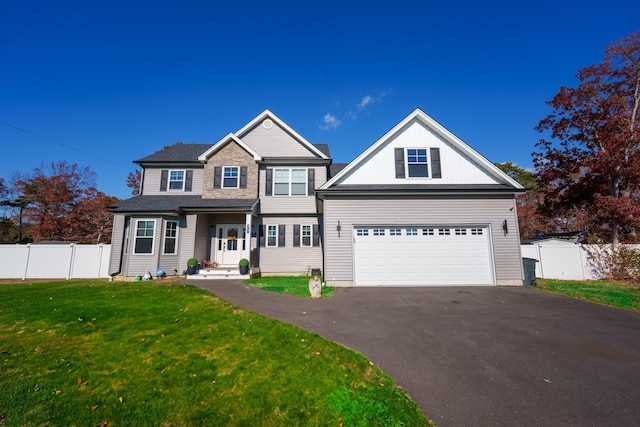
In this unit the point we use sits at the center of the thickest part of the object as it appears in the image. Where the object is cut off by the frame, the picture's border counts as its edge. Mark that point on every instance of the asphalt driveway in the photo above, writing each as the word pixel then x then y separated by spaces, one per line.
pixel 480 356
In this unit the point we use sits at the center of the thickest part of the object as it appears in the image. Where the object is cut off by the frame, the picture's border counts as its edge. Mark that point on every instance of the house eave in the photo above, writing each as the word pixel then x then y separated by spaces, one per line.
pixel 286 161
pixel 409 192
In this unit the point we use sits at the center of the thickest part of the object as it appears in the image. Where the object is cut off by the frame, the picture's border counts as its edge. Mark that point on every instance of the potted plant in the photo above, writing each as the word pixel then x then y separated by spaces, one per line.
pixel 192 266
pixel 243 265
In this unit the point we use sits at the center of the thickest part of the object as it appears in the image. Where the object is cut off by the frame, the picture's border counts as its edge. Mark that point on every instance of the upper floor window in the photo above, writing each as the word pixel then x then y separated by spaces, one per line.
pixel 176 180
pixel 145 232
pixel 417 162
pixel 417 166
pixel 290 182
pixel 230 177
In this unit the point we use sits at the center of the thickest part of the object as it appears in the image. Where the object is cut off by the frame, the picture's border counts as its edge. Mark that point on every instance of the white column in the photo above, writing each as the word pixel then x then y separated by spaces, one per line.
pixel 247 236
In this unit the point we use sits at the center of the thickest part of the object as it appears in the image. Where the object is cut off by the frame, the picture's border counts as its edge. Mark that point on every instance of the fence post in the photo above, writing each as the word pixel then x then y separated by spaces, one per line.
pixel 73 258
pixel 26 264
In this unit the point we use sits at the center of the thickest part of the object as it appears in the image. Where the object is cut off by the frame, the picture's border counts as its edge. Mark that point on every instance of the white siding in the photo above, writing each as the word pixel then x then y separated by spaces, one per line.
pixel 490 212
pixel 152 176
pixel 289 259
pixel 379 168
pixel 275 142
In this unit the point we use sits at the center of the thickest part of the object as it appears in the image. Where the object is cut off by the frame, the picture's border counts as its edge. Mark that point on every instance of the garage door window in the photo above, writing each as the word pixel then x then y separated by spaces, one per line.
pixel 428 232
pixel 461 231
pixel 362 232
pixel 412 231
pixel 476 231
pixel 395 232
pixel 444 231
pixel 379 232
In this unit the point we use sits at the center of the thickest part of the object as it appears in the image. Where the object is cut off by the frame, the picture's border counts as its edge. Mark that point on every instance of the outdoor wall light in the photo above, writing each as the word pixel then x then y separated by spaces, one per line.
pixel 338 228
pixel 505 227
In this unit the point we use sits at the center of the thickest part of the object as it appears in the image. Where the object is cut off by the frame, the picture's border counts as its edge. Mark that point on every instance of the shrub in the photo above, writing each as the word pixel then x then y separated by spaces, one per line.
pixel 192 262
pixel 243 261
pixel 617 262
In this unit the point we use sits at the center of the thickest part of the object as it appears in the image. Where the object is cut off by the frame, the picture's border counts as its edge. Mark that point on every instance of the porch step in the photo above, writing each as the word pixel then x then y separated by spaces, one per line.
pixel 219 273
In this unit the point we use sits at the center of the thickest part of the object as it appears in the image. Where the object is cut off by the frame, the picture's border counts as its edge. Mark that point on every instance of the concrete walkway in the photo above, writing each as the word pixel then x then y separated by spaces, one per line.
pixel 480 356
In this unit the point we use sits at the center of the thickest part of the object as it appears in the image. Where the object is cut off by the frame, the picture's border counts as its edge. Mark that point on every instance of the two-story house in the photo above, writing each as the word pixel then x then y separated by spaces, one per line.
pixel 418 207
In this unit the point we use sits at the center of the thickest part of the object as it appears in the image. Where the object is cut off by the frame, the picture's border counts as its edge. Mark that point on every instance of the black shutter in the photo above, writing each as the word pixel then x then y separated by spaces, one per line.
pixel 269 182
pixel 436 171
pixel 296 235
pixel 399 157
pixel 281 235
pixel 311 181
pixel 217 177
pixel 261 235
pixel 164 178
pixel 243 177
pixel 188 183
pixel 316 235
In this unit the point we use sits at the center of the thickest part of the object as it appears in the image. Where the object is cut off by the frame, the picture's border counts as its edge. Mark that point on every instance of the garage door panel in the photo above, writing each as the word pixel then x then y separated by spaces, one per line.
pixel 396 256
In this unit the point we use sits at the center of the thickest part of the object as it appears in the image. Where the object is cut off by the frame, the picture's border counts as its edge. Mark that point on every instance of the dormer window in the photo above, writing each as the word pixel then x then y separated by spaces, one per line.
pixel 176 180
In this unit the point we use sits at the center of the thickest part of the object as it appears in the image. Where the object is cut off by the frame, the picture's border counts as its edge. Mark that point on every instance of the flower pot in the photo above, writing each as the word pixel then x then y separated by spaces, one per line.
pixel 192 269
pixel 244 269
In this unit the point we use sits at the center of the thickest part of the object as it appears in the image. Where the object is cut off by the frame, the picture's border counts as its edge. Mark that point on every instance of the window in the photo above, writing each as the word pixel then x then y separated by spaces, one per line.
pixel 290 182
pixel 428 231
pixel 444 231
pixel 417 163
pixel 176 180
pixel 461 231
pixel 272 235
pixel 170 238
pixel 378 232
pixel 395 232
pixel 412 231
pixel 305 236
pixel 230 177
pixel 144 237
pixel 476 231
pixel 362 232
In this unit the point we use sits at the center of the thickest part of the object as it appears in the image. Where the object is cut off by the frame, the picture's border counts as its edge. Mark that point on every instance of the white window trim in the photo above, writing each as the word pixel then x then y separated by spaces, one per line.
pixel 266 243
pixel 153 238
pixel 306 182
pixel 406 162
pixel 184 179
pixel 302 245
pixel 164 237
pixel 237 179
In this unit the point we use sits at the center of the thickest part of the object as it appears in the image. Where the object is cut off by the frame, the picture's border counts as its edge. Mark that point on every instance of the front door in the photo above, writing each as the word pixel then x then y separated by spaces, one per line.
pixel 230 244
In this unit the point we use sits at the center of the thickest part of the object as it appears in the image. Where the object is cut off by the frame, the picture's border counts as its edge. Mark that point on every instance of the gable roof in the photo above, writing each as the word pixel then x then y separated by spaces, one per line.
pixel 226 140
pixel 266 114
pixel 179 152
pixel 437 128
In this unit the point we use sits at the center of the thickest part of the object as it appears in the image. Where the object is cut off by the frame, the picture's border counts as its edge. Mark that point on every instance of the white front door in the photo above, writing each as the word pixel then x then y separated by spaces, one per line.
pixel 230 244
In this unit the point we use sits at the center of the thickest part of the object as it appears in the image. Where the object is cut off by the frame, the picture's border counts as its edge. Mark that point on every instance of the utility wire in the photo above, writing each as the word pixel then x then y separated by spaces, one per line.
pixel 63 145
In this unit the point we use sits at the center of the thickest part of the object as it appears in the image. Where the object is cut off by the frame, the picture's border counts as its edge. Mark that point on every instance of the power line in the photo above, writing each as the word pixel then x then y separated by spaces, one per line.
pixel 68 147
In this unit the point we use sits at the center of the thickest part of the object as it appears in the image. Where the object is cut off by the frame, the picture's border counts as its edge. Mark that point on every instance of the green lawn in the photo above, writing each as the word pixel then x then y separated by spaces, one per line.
pixel 92 353
pixel 615 294
pixel 295 285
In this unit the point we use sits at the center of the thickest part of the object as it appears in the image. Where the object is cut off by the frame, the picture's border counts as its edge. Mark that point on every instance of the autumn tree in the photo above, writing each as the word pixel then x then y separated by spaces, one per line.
pixel 588 160
pixel 133 181
pixel 61 203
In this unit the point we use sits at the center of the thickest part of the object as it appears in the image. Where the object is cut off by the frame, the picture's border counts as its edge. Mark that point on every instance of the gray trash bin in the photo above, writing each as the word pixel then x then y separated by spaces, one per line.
pixel 529 265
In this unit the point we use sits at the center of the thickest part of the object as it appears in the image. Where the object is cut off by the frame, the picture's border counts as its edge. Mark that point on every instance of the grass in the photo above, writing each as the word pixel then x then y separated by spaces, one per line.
pixel 614 294
pixel 294 285
pixel 92 352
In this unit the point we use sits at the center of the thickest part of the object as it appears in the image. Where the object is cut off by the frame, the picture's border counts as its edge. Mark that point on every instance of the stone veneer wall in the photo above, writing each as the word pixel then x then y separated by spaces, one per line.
pixel 231 155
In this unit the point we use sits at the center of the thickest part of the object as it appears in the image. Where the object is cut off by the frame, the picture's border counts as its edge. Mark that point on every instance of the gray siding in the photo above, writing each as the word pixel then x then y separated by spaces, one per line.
pixel 117 240
pixel 420 211
pixel 151 185
pixel 139 264
pixel 289 259
pixel 187 241
pixel 274 142
pixel 289 204
pixel 202 237
pixel 170 262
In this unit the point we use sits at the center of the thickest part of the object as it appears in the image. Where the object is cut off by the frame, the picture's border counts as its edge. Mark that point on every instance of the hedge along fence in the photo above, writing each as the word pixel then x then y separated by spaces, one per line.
pixel 569 261
pixel 54 261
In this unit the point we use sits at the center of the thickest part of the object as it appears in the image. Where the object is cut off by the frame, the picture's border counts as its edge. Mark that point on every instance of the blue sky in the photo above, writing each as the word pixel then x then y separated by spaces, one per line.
pixel 104 83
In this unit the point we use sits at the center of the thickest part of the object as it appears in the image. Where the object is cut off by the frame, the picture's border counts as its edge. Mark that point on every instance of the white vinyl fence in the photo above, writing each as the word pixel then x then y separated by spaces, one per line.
pixel 562 260
pixel 54 261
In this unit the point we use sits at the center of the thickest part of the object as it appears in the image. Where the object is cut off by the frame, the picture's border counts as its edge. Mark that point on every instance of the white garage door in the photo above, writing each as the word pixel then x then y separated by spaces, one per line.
pixel 402 256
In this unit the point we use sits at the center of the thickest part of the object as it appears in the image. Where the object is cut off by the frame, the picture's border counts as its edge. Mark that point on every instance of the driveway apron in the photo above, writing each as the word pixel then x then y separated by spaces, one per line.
pixel 479 356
